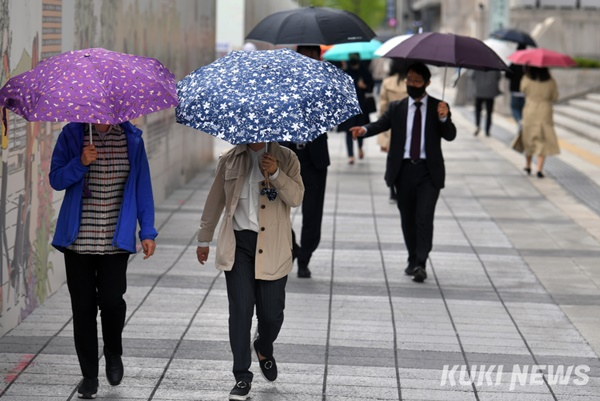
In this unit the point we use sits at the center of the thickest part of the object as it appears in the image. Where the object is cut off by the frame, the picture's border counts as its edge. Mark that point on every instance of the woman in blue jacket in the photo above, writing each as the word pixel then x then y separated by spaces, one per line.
pixel 108 191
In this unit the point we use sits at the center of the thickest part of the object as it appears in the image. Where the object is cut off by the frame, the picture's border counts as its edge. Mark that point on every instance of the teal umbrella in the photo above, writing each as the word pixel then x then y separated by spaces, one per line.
pixel 342 51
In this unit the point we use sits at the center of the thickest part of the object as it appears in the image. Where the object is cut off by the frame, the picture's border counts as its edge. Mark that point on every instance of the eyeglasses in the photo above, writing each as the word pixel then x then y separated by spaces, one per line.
pixel 414 82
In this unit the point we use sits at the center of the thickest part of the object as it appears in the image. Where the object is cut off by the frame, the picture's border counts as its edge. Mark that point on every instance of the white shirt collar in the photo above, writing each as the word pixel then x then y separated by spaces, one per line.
pixel 411 101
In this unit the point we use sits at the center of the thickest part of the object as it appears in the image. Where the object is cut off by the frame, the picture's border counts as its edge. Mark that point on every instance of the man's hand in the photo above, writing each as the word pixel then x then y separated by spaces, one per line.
pixel 202 253
pixel 89 155
pixel 357 131
pixel 268 163
pixel 442 110
pixel 148 245
pixel 361 84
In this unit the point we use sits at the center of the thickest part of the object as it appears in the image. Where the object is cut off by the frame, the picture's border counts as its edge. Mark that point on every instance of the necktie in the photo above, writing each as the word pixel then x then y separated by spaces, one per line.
pixel 415 141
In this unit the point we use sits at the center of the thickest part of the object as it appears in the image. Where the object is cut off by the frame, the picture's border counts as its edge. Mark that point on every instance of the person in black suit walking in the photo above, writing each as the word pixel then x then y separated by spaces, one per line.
pixel 314 160
pixel 415 164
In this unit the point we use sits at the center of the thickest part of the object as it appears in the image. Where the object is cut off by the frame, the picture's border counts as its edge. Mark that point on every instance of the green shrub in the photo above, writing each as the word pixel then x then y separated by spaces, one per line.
pixel 586 62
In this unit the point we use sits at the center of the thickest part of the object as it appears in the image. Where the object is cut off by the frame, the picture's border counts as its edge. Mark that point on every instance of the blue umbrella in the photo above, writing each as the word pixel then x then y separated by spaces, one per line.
pixel 266 96
pixel 343 51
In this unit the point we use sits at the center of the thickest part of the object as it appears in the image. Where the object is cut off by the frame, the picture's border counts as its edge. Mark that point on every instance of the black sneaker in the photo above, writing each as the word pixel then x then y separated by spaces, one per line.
pixel 268 366
pixel 88 388
pixel 240 391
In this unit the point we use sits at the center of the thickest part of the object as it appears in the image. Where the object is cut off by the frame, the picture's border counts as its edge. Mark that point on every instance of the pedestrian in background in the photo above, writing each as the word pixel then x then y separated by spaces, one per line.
pixel 393 88
pixel 379 69
pixel 363 83
pixel 314 160
pixel 108 191
pixel 517 98
pixel 537 137
pixel 415 164
pixel 486 89
pixel 254 248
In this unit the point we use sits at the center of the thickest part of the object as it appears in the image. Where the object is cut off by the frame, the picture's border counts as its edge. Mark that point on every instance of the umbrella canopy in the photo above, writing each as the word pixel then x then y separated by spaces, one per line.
pixel 446 49
pixel 91 85
pixel 514 35
pixel 540 57
pixel 502 48
pixel 390 44
pixel 266 96
pixel 311 26
pixel 342 52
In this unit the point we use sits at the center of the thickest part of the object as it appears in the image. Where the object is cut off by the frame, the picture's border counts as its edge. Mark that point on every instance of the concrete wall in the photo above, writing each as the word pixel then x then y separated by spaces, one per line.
pixel 181 34
pixel 573 31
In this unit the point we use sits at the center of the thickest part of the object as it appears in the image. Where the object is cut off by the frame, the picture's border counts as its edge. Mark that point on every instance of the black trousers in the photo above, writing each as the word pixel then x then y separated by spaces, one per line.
pixel 315 181
pixel 417 198
pixel 243 292
pixel 489 109
pixel 96 281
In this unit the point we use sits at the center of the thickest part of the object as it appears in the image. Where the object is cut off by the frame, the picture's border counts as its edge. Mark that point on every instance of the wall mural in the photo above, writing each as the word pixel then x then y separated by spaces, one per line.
pixel 30 268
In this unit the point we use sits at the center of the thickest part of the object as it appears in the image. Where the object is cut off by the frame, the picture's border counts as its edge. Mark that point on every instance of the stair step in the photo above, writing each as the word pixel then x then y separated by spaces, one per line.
pixel 594 96
pixel 589 131
pixel 587 105
pixel 581 114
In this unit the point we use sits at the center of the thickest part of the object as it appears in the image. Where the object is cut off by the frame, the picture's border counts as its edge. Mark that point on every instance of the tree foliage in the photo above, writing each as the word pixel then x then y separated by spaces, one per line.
pixel 371 11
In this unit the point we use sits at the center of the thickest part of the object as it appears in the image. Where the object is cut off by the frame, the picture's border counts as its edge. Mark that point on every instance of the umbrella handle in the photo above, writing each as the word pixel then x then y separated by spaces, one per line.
pixel 265 171
pixel 444 83
pixel 91 142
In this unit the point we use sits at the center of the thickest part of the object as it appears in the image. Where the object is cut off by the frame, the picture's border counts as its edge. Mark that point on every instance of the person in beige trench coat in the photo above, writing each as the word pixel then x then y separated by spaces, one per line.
pixel 537 136
pixel 254 248
pixel 393 88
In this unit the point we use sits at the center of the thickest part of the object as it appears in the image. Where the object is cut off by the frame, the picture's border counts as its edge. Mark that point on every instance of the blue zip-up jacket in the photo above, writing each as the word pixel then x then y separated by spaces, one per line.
pixel 67 173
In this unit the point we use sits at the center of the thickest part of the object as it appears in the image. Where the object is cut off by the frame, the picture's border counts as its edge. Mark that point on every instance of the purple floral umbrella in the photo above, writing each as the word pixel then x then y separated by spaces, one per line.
pixel 91 86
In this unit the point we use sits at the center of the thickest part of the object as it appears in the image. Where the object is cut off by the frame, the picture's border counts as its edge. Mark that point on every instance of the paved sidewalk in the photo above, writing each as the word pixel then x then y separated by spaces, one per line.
pixel 514 280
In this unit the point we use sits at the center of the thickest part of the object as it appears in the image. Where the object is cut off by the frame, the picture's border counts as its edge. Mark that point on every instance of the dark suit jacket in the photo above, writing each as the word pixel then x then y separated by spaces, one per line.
pixel 395 119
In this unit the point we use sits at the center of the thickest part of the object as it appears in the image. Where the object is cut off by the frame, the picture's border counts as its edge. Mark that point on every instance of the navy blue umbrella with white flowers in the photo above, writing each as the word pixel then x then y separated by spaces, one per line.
pixel 266 96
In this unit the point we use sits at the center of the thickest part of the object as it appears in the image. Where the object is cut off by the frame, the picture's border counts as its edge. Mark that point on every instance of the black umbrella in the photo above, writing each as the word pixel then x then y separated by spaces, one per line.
pixel 514 35
pixel 311 26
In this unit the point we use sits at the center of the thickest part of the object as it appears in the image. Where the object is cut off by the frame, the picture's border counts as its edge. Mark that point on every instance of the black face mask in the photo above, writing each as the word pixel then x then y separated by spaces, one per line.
pixel 415 91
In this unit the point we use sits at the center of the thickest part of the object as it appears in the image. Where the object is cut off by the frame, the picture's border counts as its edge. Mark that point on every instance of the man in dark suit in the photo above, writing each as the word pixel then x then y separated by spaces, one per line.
pixel 314 160
pixel 415 164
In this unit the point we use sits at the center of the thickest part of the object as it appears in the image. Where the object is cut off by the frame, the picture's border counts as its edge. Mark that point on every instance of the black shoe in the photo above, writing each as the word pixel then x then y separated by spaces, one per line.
pixel 527 170
pixel 410 270
pixel 303 271
pixel 419 275
pixel 540 174
pixel 240 391
pixel 87 389
pixel 476 132
pixel 268 366
pixel 114 368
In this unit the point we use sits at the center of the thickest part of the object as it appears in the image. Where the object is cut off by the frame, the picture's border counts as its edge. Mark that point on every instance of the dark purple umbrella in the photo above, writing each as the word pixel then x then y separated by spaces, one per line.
pixel 92 86
pixel 448 50
pixel 311 26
